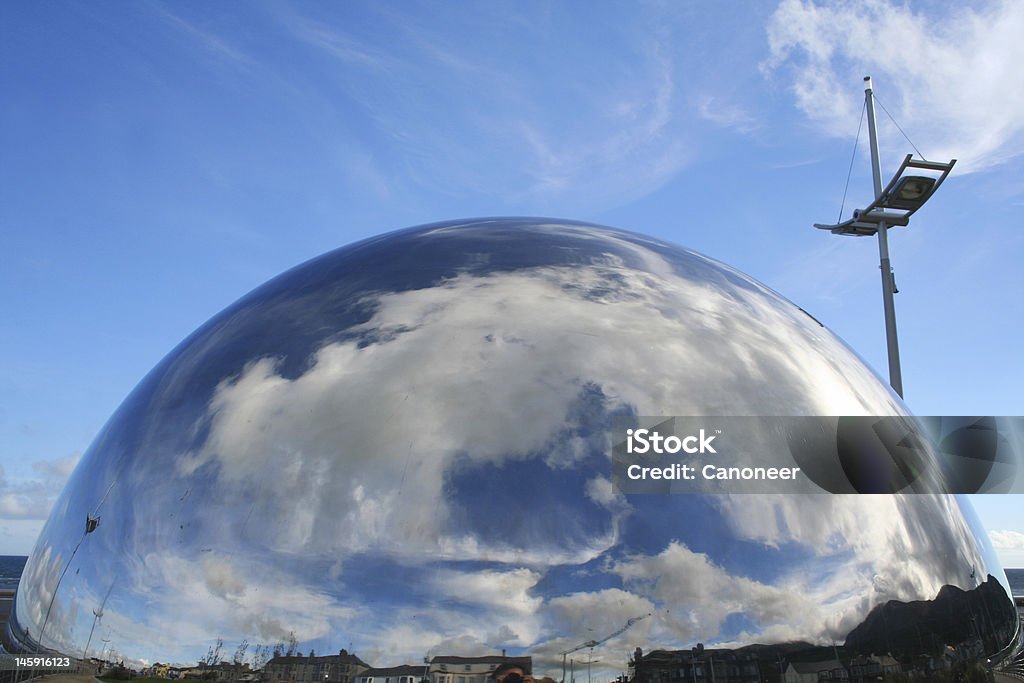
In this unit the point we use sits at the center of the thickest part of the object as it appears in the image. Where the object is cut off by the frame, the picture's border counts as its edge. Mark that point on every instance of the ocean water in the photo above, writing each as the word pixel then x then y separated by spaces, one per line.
pixel 11 567
pixel 1016 579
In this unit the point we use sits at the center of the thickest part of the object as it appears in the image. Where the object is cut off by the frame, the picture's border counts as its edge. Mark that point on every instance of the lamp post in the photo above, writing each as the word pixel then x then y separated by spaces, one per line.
pixel 892 206
pixel 888 285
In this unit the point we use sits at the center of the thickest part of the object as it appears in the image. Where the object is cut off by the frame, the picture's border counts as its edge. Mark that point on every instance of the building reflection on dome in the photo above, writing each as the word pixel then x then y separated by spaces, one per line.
pixel 401 448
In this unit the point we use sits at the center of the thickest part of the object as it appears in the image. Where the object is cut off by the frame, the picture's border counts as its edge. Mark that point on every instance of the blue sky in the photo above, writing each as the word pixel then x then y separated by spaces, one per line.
pixel 162 159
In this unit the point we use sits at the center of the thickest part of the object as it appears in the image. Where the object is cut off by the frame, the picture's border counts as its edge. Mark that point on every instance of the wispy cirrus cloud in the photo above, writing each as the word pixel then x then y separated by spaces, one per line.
pixel 726 114
pixel 209 40
pixel 951 78
pixel 459 118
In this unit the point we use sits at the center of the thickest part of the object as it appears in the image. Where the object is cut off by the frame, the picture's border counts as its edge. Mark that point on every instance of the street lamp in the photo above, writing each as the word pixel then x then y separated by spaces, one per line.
pixel 893 206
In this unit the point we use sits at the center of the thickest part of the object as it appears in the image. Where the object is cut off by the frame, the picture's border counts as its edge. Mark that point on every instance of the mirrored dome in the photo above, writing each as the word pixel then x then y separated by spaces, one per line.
pixel 399 452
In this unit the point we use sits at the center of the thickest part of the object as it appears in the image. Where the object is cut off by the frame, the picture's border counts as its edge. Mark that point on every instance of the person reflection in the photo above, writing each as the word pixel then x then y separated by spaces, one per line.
pixel 511 673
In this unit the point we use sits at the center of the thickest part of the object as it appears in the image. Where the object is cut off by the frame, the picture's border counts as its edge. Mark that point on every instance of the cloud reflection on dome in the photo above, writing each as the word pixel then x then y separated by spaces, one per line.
pixel 402 445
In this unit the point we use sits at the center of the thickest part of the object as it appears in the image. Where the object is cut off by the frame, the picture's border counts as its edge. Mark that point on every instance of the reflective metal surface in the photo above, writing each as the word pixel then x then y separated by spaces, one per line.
pixel 401 448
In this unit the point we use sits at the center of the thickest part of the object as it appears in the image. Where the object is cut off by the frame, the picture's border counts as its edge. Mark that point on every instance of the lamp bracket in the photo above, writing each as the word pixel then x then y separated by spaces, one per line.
pixel 865 221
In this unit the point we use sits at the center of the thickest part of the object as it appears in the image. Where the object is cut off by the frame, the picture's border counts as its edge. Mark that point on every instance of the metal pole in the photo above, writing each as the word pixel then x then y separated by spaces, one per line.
pixel 891 340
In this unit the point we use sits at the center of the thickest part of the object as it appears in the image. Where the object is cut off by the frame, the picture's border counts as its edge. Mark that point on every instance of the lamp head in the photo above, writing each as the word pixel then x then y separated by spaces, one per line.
pixel 911 192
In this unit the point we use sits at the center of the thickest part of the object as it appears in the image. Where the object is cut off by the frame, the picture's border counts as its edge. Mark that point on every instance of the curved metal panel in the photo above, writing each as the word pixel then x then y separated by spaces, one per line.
pixel 401 448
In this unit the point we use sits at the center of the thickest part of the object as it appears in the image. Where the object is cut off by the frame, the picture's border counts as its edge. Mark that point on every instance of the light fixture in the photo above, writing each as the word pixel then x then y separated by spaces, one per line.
pixel 894 205
pixel 912 191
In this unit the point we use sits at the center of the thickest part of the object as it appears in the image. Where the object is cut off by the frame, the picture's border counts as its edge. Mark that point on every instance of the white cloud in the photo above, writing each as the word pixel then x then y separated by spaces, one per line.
pixel 508 590
pixel 601 612
pixel 1007 540
pixel 36 603
pixel 177 606
pixel 701 595
pixel 31 498
pixel 924 527
pixel 952 81
pixel 56 471
pixel 333 438
pixel 601 491
pixel 1009 547
pixel 853 570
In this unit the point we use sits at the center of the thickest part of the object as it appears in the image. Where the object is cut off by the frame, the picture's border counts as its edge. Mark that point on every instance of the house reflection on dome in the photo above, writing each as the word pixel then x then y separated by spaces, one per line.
pixel 402 446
